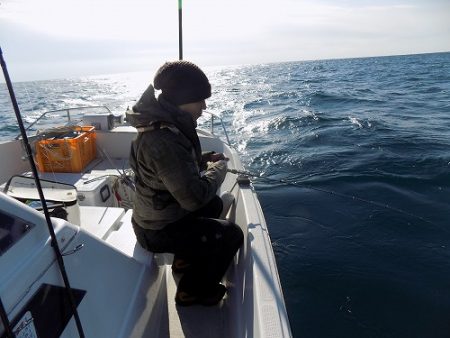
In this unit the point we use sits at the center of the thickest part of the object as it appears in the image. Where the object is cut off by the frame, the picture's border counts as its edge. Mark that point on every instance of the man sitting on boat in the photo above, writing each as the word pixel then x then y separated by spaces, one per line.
pixel 176 208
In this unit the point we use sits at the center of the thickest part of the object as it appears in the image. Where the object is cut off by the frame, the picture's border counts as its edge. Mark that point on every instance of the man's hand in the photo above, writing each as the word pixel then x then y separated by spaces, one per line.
pixel 218 157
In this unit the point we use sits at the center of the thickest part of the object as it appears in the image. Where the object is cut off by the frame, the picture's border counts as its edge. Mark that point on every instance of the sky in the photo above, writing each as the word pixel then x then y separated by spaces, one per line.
pixel 48 39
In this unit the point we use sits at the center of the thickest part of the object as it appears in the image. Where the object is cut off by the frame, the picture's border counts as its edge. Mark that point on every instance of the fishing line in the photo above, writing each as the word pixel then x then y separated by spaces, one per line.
pixel 32 110
pixel 331 192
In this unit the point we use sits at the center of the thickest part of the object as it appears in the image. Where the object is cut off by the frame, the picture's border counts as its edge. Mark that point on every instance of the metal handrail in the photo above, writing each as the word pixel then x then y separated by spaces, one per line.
pixel 73 109
pixel 213 115
pixel 67 110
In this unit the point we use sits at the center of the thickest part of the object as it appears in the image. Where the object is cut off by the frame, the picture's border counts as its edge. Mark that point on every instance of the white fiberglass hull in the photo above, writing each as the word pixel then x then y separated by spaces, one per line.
pixel 123 290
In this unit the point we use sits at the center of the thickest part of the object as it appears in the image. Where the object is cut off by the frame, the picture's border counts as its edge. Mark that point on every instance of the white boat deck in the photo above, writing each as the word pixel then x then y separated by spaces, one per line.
pixel 101 221
pixel 193 321
pixel 136 287
pixel 113 225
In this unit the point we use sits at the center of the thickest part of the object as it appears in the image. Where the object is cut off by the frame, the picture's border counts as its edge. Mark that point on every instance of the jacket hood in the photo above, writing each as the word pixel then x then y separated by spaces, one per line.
pixel 150 109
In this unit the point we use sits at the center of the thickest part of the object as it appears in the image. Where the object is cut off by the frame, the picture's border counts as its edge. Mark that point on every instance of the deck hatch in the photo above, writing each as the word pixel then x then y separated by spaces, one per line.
pixel 12 229
pixel 50 310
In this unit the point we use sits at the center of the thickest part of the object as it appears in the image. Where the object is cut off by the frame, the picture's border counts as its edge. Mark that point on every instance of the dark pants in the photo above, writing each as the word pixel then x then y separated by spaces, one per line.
pixel 207 243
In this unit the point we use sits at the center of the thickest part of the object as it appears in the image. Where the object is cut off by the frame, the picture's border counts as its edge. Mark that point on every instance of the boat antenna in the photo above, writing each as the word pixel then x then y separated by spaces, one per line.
pixel 54 241
pixel 180 29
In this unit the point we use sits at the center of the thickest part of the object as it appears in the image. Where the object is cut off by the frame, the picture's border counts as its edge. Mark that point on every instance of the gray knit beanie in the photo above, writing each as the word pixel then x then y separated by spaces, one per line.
pixel 182 82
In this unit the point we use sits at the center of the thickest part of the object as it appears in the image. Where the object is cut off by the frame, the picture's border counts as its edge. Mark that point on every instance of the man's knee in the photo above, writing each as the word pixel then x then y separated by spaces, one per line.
pixel 216 205
pixel 212 209
pixel 235 235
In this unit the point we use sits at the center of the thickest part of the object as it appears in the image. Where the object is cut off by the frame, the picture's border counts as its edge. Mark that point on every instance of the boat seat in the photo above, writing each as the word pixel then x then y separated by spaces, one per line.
pixel 100 221
pixel 125 240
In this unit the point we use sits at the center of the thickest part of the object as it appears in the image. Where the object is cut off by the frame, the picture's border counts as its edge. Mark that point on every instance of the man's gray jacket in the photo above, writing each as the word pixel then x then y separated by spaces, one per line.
pixel 166 158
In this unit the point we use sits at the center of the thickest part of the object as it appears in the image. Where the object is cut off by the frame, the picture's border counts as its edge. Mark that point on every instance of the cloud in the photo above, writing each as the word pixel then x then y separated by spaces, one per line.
pixel 94 19
pixel 325 30
pixel 133 33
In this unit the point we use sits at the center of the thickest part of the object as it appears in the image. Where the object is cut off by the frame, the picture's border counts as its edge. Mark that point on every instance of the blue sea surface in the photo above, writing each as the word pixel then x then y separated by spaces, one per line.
pixel 352 159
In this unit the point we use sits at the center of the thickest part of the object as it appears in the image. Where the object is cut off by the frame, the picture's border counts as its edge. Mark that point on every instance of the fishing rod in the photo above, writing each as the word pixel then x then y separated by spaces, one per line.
pixel 330 192
pixel 5 321
pixel 180 29
pixel 54 241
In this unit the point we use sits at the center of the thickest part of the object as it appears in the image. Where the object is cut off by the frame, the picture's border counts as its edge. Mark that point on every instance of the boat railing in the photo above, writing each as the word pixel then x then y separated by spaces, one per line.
pixel 69 112
pixel 214 116
pixel 78 112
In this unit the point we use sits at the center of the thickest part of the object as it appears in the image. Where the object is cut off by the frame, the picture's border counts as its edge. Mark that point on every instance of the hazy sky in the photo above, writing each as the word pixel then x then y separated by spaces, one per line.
pixel 44 39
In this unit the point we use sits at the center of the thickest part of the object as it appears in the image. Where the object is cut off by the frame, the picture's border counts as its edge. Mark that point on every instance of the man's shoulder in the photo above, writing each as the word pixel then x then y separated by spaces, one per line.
pixel 166 137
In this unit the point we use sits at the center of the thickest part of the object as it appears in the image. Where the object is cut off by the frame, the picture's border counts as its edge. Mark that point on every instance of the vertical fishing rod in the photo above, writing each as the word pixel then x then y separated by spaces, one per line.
pixel 180 29
pixel 54 241
pixel 5 321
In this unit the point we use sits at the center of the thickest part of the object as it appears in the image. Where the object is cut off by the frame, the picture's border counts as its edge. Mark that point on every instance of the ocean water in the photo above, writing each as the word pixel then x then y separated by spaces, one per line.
pixel 353 165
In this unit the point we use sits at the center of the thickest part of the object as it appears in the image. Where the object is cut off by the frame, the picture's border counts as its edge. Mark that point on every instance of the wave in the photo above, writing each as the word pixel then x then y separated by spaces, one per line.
pixel 325 98
pixel 376 129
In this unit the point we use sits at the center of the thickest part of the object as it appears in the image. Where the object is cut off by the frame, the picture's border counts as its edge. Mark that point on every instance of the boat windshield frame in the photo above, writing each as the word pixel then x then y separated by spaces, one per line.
pixel 69 112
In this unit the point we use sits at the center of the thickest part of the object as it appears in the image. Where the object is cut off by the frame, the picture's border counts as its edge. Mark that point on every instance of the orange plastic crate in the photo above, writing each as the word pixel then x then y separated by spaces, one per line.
pixel 69 155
